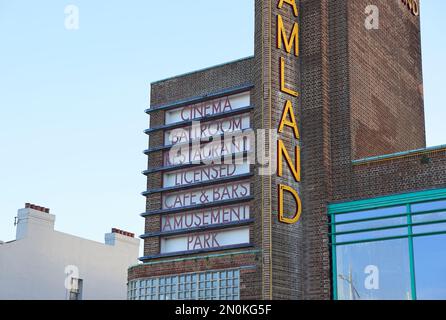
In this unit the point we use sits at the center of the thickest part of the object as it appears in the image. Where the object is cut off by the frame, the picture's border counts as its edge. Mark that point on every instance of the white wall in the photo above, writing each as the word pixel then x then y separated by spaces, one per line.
pixel 34 266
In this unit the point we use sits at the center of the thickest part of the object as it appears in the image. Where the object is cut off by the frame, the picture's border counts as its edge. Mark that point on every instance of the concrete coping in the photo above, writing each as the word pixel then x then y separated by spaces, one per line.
pixel 399 155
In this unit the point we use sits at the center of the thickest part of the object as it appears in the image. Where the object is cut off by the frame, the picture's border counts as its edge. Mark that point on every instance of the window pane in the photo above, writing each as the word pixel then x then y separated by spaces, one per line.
pixel 374 271
pixel 371 224
pixel 430 267
pixel 372 235
pixel 371 214
pixel 428 206
pixel 437 227
pixel 429 217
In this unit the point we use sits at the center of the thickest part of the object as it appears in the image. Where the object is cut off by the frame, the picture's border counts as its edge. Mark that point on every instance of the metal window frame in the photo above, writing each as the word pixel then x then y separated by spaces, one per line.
pixel 404 199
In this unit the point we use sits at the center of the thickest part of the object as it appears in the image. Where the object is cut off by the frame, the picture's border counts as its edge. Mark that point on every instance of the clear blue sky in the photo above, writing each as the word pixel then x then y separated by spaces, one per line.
pixel 72 102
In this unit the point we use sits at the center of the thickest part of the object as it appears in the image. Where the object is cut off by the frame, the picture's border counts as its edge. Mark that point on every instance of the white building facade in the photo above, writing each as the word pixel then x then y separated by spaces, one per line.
pixel 44 264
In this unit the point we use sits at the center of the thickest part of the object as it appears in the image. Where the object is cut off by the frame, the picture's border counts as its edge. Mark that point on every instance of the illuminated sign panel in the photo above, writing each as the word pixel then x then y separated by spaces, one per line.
pixel 208 217
pixel 208 108
pixel 206 152
pixel 205 240
pixel 207 129
pixel 203 140
pixel 196 197
pixel 204 174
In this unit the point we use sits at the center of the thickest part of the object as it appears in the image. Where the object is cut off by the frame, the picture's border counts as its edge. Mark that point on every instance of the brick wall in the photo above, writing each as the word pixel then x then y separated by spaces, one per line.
pixel 386 84
pixel 421 171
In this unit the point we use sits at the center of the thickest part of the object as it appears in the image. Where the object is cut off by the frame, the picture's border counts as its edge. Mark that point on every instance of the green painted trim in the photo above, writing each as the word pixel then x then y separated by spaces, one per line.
pixel 219 255
pixel 334 261
pixel 399 154
pixel 387 201
pixel 411 255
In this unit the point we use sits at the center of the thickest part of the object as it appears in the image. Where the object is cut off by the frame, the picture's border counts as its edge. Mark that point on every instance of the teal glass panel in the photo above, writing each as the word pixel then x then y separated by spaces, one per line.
pixel 370 235
pixel 428 206
pixel 429 228
pixel 372 224
pixel 429 217
pixel 430 267
pixel 374 271
pixel 377 213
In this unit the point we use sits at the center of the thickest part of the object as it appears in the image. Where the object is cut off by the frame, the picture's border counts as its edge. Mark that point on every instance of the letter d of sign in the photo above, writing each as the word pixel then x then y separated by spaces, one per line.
pixel 295 218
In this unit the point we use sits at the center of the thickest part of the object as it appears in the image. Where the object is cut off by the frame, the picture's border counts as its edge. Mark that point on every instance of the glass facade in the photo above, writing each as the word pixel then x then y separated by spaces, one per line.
pixel 391 248
pixel 215 285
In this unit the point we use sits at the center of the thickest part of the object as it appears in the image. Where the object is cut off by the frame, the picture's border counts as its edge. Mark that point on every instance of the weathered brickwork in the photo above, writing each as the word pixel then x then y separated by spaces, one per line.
pixel 423 171
pixel 316 160
pixel 386 84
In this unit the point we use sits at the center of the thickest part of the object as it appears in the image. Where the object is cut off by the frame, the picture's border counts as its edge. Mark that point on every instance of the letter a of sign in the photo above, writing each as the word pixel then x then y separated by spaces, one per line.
pixel 292 123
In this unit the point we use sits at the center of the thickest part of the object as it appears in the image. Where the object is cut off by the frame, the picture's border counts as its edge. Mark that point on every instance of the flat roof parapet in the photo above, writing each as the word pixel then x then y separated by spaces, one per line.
pixel 201 70
pixel 400 155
